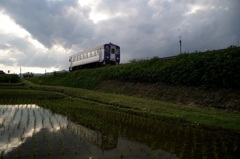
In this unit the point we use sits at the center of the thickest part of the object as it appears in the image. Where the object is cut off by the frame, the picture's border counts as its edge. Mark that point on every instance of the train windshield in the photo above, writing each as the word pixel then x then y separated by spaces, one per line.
pixel 113 49
pixel 107 48
pixel 117 50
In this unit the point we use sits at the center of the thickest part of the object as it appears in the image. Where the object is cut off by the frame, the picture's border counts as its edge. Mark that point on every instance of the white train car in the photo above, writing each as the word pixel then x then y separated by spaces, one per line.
pixel 98 56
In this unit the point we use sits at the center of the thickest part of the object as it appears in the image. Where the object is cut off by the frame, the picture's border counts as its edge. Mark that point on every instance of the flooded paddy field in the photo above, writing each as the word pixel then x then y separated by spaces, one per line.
pixel 83 129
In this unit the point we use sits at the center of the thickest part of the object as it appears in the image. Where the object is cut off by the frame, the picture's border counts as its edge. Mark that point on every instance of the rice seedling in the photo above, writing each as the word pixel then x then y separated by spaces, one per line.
pixel 122 154
pixel 28 117
pixel 62 149
pixel 204 151
pixel 19 153
pixel 42 122
pixel 215 150
pixel 19 123
pixel 152 133
pixel 2 154
pixel 49 151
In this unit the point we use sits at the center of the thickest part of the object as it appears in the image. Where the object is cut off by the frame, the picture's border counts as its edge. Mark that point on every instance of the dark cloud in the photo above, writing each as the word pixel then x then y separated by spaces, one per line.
pixel 143 29
pixel 51 22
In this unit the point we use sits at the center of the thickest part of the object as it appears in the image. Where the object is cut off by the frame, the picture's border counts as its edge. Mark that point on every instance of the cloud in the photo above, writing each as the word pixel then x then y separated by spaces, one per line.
pixel 47 32
pixel 51 22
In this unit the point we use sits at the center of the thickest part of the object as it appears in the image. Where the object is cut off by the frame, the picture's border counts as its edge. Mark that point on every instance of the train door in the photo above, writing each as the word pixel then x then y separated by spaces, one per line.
pixel 113 53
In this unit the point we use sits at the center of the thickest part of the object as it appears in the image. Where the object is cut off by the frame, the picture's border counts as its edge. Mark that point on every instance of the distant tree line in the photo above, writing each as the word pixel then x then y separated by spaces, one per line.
pixel 28 75
pixel 9 78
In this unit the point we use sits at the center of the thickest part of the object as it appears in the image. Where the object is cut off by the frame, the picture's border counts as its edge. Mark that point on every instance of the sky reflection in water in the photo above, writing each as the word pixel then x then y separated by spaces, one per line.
pixel 19 122
pixel 29 131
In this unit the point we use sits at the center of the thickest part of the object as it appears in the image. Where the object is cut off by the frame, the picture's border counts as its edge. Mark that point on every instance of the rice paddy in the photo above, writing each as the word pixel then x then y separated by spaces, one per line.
pixel 74 128
pixel 60 122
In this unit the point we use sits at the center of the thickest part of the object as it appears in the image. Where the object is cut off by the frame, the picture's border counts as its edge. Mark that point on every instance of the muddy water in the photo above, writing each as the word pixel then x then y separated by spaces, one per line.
pixel 29 131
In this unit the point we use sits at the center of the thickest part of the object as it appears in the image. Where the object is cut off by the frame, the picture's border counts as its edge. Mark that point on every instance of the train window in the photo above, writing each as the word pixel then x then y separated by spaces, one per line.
pixel 81 57
pixel 89 54
pixel 113 51
pixel 117 50
pixel 107 48
pixel 85 55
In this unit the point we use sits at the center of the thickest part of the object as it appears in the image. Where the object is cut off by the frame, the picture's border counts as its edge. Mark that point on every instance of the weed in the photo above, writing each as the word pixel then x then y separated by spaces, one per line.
pixel 2 154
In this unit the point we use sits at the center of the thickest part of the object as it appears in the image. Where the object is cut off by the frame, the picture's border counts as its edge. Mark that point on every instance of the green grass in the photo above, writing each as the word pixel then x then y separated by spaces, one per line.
pixel 151 108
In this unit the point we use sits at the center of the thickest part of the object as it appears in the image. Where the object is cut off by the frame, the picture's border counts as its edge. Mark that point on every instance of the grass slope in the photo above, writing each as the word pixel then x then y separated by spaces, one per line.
pixel 151 108
pixel 211 69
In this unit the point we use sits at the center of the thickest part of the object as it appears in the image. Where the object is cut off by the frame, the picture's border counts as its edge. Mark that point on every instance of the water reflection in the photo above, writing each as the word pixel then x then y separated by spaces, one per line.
pixel 20 122
pixel 29 131
pixel 105 142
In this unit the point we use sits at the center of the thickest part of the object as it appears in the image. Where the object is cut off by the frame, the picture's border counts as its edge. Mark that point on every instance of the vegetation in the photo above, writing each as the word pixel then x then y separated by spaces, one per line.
pixel 177 129
pixel 49 134
pixel 9 78
pixel 211 69
pixel 122 114
pixel 150 108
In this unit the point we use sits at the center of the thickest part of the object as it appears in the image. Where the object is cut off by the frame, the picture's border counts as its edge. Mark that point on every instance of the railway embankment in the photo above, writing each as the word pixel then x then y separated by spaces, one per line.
pixel 205 79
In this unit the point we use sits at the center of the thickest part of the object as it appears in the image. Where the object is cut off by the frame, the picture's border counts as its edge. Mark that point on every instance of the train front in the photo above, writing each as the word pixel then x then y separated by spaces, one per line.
pixel 112 54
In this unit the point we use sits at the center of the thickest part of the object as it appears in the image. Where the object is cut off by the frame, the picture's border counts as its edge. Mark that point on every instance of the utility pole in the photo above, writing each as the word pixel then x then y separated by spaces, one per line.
pixel 180 42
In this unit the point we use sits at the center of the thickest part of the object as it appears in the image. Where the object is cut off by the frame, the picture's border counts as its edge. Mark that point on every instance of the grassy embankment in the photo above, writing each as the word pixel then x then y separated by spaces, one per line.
pixel 207 79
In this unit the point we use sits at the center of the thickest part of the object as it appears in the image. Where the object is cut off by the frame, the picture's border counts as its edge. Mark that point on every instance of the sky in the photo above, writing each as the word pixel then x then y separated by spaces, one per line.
pixel 39 35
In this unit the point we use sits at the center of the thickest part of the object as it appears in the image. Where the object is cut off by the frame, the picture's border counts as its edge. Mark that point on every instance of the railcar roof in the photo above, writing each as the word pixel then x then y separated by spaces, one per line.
pixel 99 46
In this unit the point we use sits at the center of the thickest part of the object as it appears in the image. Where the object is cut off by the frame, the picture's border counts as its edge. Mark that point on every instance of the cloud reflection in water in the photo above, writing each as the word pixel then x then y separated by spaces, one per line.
pixel 19 122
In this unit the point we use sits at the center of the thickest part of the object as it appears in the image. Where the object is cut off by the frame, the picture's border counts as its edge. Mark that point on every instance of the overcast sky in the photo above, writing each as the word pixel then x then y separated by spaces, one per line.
pixel 39 35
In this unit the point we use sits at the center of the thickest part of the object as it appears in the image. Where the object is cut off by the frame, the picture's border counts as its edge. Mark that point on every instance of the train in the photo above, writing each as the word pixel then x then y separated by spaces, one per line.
pixel 102 55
